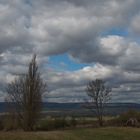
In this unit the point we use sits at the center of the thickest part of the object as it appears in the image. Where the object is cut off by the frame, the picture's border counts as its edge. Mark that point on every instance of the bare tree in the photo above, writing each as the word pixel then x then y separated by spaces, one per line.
pixel 25 94
pixel 99 94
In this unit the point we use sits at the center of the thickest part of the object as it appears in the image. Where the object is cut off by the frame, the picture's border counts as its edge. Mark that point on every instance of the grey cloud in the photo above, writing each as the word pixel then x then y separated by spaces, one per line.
pixel 75 27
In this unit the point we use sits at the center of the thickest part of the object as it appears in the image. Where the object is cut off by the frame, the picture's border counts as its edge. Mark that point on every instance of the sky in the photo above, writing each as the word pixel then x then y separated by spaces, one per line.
pixel 75 41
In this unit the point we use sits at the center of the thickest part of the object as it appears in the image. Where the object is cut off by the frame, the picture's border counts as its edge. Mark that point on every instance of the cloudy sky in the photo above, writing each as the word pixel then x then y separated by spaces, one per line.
pixel 75 41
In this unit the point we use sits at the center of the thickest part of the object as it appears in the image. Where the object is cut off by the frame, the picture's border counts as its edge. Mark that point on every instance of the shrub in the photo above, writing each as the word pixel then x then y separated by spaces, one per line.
pixel 129 114
pixel 60 123
pixel 46 125
pixel 73 122
pixel 10 122
pixel 52 124
pixel 123 118
pixel 1 125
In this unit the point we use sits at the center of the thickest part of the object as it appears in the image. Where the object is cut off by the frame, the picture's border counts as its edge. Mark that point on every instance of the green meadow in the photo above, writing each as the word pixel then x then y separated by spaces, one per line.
pixel 109 133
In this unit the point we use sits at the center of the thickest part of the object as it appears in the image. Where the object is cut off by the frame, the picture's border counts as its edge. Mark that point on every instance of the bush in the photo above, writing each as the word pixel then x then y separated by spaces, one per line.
pixel 129 114
pixel 1 125
pixel 60 123
pixel 122 119
pixel 52 124
pixel 73 122
pixel 46 125
pixel 10 122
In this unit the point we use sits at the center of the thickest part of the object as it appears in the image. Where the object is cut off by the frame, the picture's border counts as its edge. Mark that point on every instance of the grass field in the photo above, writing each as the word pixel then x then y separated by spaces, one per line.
pixel 77 134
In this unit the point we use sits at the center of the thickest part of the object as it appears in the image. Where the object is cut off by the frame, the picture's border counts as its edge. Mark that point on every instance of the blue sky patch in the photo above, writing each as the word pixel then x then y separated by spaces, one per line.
pixel 63 62
pixel 116 31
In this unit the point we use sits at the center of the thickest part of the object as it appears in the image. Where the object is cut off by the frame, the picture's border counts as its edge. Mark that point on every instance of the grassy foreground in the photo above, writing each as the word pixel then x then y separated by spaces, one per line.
pixel 77 134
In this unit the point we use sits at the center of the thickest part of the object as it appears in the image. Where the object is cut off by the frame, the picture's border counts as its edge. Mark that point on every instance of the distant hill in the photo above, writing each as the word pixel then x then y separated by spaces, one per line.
pixel 77 109
pixel 64 106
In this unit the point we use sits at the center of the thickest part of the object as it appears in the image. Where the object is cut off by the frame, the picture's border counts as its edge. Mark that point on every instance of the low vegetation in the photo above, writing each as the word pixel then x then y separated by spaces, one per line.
pixel 76 134
pixel 58 123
